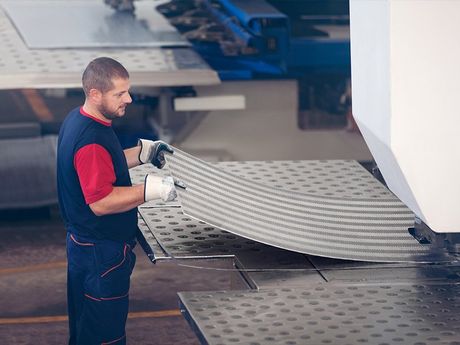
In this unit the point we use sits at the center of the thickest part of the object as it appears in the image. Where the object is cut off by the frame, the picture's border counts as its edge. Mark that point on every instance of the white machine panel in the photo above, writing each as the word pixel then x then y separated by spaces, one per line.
pixel 405 74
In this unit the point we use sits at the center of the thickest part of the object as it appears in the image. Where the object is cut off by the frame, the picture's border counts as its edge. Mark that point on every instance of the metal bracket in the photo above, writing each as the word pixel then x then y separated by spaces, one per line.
pixel 425 235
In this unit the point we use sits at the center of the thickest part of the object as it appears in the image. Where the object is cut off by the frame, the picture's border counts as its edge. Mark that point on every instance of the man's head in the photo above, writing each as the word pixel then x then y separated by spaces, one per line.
pixel 106 85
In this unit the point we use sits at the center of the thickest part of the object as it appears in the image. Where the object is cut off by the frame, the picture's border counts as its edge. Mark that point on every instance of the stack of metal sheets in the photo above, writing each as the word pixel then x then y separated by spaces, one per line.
pixel 73 25
pixel 47 44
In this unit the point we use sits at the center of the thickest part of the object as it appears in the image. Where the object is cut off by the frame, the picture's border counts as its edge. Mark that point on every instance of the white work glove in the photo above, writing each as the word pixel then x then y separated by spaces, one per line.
pixel 157 187
pixel 153 152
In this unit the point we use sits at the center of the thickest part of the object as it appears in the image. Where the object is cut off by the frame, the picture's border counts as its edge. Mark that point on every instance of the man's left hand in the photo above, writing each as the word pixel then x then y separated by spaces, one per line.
pixel 154 152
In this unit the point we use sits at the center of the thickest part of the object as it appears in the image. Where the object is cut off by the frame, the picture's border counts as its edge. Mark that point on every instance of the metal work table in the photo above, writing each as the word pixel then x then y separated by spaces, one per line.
pixel 327 314
pixel 292 298
pixel 24 67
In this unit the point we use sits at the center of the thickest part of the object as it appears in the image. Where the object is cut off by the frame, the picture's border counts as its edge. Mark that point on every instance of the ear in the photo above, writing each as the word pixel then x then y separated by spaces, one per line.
pixel 95 96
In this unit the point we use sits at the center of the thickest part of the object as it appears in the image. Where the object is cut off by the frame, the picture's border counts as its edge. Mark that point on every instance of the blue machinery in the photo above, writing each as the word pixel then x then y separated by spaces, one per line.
pixel 253 39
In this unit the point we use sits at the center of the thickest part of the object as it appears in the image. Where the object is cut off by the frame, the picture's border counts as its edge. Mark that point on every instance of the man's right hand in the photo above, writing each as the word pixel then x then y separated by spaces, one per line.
pixel 157 187
pixel 153 152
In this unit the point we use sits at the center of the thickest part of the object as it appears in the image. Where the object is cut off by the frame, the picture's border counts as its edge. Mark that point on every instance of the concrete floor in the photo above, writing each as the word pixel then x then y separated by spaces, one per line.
pixel 33 285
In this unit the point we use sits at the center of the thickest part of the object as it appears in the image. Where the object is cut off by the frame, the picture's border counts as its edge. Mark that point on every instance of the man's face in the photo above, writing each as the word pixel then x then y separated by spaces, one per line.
pixel 114 102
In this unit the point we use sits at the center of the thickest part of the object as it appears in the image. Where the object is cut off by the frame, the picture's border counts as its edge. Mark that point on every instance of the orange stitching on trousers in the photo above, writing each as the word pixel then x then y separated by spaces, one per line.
pixel 80 243
pixel 106 298
pixel 114 267
pixel 113 341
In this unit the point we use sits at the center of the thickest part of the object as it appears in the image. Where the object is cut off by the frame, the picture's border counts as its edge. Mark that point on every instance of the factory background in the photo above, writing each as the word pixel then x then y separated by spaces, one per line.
pixel 228 81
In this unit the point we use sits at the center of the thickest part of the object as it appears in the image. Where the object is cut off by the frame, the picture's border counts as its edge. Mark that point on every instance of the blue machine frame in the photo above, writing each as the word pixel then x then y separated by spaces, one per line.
pixel 260 26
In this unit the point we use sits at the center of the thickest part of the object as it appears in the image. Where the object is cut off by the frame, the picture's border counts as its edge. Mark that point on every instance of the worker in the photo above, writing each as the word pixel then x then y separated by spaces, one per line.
pixel 98 204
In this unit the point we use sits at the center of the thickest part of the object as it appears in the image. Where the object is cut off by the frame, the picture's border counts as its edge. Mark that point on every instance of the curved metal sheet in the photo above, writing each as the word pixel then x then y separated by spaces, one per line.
pixel 368 229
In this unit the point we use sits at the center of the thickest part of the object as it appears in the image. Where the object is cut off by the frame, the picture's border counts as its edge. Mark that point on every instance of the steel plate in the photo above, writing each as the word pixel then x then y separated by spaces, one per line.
pixel 21 67
pixel 326 314
pixel 354 228
pixel 90 24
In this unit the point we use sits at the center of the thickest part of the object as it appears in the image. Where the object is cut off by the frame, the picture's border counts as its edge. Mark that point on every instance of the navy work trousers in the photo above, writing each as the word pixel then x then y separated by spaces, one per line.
pixel 98 278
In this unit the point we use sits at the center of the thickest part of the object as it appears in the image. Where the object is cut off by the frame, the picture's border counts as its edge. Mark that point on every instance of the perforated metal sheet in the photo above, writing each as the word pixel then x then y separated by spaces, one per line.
pixel 337 178
pixel 328 314
pixel 355 228
pixel 148 242
pixel 21 67
pixel 185 237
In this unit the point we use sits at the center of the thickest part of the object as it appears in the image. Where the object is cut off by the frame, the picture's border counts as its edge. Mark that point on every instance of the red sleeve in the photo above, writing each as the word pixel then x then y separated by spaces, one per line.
pixel 95 171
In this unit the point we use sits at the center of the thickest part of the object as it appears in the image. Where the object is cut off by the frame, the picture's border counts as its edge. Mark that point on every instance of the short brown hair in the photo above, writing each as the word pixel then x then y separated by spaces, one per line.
pixel 100 72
